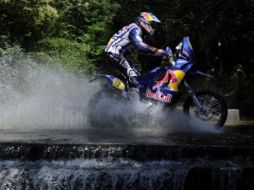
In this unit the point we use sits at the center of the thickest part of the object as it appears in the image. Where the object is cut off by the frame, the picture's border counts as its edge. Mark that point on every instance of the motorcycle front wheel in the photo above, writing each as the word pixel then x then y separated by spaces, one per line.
pixel 213 107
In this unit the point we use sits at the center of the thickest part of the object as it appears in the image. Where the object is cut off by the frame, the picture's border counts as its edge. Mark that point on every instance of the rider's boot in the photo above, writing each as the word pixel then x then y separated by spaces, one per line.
pixel 134 91
pixel 135 82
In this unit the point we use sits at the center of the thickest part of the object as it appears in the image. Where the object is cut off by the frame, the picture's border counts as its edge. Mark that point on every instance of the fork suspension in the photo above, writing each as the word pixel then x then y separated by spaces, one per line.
pixel 193 96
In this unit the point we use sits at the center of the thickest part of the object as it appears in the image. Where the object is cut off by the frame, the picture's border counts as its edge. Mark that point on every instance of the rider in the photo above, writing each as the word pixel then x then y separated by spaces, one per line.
pixel 130 37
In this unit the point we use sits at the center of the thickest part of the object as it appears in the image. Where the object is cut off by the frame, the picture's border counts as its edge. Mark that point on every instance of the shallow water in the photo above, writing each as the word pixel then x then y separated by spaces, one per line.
pixel 111 158
pixel 241 136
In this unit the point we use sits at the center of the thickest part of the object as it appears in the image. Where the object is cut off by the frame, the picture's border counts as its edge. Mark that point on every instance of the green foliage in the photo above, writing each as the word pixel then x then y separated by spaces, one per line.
pixel 73 31
pixel 15 51
pixel 4 42
pixel 80 32
pixel 70 54
pixel 25 21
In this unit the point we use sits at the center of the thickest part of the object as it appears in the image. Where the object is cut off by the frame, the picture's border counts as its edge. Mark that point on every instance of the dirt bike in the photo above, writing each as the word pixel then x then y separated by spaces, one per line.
pixel 162 85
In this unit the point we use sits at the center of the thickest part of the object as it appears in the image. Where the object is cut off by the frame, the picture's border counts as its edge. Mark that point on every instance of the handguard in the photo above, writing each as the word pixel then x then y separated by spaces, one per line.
pixel 168 58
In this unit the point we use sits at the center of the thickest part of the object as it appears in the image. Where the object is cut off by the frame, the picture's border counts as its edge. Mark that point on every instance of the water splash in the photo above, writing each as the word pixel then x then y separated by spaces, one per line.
pixel 140 117
pixel 43 96
pixel 34 95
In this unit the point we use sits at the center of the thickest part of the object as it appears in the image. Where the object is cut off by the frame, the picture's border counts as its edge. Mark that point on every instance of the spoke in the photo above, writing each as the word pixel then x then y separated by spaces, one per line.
pixel 218 108
pixel 216 112
pixel 215 104
pixel 211 105
pixel 206 98
pixel 211 102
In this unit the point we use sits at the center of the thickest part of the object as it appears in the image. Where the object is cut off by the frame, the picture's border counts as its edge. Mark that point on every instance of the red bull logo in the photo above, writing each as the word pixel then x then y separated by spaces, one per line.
pixel 166 79
pixel 159 96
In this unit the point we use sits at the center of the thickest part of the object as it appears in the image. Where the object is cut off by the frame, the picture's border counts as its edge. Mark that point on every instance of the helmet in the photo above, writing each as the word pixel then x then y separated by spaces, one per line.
pixel 148 21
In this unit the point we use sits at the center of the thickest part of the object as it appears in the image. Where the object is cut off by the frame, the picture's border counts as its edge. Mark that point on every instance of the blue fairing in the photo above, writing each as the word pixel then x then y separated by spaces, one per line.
pixel 182 65
pixel 186 59
pixel 187 52
pixel 156 82
pixel 147 78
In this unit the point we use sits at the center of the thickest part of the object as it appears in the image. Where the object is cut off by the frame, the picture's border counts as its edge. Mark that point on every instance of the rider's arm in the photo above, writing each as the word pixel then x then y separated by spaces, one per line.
pixel 135 36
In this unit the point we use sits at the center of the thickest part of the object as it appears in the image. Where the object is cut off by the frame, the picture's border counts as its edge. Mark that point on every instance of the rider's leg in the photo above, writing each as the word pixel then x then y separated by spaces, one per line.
pixel 131 72
pixel 135 82
pixel 114 61
pixel 123 65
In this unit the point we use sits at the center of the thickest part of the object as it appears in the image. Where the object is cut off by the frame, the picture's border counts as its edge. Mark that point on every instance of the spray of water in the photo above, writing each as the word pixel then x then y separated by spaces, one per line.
pixel 39 96
pixel 42 96
pixel 140 117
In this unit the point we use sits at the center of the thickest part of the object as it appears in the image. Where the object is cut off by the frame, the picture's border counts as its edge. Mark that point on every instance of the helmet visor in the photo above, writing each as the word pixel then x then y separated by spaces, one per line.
pixel 155 25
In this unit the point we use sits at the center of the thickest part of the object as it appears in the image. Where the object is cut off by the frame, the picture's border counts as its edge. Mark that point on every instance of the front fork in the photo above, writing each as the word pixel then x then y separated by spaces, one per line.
pixel 193 96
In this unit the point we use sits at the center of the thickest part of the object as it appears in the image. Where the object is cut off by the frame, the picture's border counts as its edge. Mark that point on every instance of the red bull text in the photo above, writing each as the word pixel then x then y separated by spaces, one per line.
pixel 159 96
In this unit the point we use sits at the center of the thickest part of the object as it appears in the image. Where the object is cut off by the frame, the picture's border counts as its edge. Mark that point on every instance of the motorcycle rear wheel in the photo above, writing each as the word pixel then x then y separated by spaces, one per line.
pixel 100 109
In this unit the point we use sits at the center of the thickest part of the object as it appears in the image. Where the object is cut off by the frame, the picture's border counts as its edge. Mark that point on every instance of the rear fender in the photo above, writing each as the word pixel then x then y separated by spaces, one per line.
pixel 112 80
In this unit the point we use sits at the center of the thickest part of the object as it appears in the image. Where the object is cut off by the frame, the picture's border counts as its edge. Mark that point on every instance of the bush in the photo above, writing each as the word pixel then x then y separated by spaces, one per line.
pixel 70 54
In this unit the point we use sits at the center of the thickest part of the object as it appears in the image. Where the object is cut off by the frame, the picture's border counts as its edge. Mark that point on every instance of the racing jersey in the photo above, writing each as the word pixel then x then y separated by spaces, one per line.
pixel 128 39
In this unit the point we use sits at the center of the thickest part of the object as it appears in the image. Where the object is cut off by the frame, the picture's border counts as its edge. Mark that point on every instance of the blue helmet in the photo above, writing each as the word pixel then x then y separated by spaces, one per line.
pixel 148 21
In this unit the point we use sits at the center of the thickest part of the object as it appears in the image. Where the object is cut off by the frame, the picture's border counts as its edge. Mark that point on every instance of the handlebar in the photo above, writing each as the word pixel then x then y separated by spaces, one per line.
pixel 169 57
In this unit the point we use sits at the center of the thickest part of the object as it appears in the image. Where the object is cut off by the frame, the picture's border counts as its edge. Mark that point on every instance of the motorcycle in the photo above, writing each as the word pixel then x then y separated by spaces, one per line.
pixel 162 84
